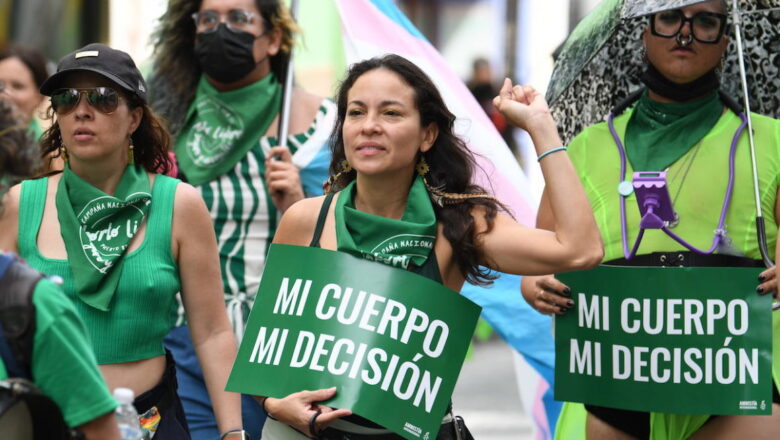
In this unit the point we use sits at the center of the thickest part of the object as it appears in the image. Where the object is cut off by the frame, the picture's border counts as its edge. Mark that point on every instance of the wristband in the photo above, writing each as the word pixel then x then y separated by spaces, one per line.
pixel 550 151
pixel 244 434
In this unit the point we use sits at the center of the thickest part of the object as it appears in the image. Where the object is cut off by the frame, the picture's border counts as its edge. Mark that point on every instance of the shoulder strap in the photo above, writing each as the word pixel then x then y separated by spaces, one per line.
pixel 315 240
pixel 17 318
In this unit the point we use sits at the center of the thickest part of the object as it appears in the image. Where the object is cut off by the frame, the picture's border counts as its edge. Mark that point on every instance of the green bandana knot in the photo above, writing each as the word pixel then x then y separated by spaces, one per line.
pixel 97 229
pixel 389 241
pixel 221 127
pixel 658 134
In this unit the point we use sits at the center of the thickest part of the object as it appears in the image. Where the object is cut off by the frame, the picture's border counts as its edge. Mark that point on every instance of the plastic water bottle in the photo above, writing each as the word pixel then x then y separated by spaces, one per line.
pixel 127 416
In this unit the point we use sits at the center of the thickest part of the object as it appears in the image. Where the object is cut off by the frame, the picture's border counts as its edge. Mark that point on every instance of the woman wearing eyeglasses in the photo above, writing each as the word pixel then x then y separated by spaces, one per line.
pixel 682 125
pixel 124 239
pixel 217 75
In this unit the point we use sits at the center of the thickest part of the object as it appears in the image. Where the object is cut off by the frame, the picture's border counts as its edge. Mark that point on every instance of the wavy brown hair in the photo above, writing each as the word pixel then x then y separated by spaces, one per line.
pixel 151 141
pixel 451 163
pixel 175 71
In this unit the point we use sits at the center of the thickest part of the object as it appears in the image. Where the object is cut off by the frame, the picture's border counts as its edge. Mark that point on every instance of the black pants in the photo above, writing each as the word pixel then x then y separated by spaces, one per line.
pixel 173 423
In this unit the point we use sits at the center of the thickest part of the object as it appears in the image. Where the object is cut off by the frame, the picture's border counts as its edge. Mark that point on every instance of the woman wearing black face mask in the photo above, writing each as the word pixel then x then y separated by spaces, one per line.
pixel 216 79
pixel 680 124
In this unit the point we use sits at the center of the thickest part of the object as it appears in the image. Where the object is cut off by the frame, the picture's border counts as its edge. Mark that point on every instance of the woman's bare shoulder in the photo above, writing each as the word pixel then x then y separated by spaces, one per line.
pixel 299 221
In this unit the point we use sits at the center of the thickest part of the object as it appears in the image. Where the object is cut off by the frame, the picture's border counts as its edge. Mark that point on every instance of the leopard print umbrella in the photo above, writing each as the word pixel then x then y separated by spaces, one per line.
pixel 601 61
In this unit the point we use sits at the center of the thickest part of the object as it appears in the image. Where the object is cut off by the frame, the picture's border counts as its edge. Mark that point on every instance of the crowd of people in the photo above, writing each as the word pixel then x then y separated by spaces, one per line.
pixel 154 275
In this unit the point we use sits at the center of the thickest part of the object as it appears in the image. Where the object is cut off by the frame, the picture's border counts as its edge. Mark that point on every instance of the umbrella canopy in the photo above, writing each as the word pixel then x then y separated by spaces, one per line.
pixel 601 61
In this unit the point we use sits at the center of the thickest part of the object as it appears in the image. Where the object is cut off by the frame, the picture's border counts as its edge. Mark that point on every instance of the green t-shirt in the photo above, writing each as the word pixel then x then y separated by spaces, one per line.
pixel 64 366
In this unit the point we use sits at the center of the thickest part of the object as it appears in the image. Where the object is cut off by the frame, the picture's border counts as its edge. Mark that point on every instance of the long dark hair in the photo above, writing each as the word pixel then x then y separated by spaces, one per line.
pixel 451 164
pixel 175 71
pixel 151 141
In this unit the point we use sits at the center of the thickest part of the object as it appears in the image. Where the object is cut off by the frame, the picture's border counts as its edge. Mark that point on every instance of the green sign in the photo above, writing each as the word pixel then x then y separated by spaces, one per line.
pixel 673 340
pixel 391 341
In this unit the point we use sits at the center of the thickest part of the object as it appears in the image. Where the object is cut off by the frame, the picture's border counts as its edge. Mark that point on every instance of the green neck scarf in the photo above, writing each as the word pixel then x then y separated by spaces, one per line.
pixel 221 127
pixel 393 242
pixel 97 228
pixel 658 134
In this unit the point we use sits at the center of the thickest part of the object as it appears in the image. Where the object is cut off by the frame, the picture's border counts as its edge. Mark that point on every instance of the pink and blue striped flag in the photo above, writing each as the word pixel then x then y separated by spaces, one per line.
pixel 376 27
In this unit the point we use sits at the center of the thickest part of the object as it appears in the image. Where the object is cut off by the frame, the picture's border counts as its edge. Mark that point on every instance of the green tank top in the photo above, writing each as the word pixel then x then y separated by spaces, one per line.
pixel 139 318
pixel 697 184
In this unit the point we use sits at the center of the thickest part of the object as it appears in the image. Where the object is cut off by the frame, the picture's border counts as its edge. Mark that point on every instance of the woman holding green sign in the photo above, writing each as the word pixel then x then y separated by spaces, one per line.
pixel 681 125
pixel 398 170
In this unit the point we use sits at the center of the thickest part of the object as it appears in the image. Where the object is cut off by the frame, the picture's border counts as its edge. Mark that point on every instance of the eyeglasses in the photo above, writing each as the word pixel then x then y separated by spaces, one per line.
pixel 706 27
pixel 237 20
pixel 103 99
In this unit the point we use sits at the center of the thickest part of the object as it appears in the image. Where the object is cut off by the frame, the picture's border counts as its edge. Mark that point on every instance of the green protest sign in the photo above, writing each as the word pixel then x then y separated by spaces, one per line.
pixel 393 342
pixel 694 340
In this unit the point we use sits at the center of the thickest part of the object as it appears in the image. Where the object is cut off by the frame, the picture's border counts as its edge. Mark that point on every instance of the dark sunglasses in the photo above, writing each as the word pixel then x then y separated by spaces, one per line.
pixel 706 27
pixel 103 99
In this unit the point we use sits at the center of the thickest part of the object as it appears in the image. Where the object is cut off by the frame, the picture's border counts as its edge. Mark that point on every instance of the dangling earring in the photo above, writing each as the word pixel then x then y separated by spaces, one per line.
pixel 63 150
pixel 130 155
pixel 643 54
pixel 345 168
pixel 422 167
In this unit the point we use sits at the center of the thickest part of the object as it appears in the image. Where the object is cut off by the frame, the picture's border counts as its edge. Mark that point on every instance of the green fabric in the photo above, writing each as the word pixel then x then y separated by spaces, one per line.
pixel 698 196
pixel 389 241
pixel 64 366
pixel 245 217
pixel 36 129
pixel 97 229
pixel 221 127
pixel 571 422
pixel 139 318
pixel 697 193
pixel 658 134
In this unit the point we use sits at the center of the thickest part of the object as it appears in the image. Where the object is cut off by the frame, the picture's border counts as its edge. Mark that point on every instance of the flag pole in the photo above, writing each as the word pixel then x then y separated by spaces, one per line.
pixel 284 114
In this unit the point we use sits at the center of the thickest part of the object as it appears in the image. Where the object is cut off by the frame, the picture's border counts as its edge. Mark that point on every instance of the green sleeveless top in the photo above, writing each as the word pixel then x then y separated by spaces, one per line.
pixel 697 184
pixel 140 315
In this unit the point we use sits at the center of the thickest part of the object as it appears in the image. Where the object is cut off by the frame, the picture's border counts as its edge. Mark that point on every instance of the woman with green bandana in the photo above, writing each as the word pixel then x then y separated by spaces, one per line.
pixel 63 366
pixel 218 69
pixel 123 238
pixel 399 169
pixel 682 125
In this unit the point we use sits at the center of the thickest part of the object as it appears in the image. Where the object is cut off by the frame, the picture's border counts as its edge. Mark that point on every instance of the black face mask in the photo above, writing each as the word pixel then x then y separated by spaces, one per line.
pixel 225 55
pixel 658 83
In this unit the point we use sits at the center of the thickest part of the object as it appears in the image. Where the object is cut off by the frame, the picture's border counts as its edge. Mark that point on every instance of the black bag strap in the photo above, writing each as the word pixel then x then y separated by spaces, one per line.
pixel 17 317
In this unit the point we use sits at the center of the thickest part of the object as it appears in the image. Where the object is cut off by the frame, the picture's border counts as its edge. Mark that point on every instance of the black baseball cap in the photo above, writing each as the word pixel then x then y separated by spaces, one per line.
pixel 113 64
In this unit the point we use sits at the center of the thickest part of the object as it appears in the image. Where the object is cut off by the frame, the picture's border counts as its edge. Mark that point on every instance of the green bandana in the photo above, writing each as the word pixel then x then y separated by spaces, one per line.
pixel 658 134
pixel 386 240
pixel 97 228
pixel 221 127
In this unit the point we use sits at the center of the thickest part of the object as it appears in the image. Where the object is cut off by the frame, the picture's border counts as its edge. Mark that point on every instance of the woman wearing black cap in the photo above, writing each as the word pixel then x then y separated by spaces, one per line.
pixel 125 239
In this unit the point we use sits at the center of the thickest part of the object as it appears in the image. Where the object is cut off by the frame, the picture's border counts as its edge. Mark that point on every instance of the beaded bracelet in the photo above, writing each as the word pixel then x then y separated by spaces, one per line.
pixel 550 151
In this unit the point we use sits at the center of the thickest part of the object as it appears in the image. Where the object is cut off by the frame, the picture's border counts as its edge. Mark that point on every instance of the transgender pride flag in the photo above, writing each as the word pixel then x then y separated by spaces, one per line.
pixel 376 27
